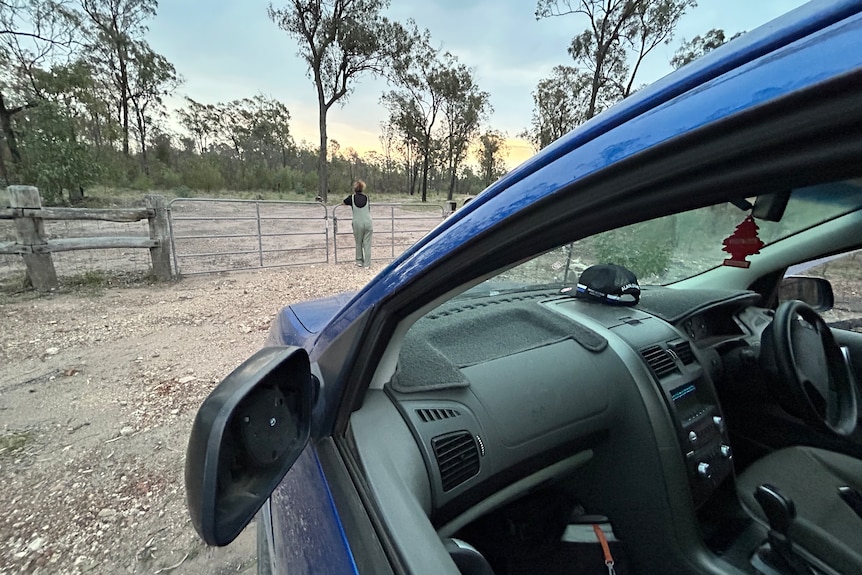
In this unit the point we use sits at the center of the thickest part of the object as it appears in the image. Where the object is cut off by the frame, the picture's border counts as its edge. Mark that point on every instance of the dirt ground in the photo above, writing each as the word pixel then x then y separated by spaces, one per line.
pixel 98 390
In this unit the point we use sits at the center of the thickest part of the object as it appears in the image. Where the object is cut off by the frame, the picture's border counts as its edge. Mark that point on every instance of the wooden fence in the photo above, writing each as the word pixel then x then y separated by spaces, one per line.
pixel 25 208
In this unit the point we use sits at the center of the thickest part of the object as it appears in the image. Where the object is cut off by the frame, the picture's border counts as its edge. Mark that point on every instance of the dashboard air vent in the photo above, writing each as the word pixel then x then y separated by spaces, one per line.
pixel 659 360
pixel 682 349
pixel 434 414
pixel 457 458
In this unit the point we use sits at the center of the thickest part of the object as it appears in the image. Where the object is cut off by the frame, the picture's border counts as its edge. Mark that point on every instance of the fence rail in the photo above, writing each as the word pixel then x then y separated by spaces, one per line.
pixel 35 247
pixel 107 215
pixel 210 235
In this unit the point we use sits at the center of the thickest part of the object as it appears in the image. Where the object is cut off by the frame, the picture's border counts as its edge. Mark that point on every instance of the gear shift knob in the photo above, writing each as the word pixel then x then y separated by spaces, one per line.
pixel 780 511
pixel 778 556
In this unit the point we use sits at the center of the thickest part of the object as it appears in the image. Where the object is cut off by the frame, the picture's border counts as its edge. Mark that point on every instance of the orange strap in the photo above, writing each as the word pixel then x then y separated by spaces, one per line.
pixel 609 559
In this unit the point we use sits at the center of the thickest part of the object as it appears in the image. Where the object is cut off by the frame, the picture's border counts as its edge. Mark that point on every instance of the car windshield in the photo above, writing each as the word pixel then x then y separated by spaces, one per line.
pixel 679 246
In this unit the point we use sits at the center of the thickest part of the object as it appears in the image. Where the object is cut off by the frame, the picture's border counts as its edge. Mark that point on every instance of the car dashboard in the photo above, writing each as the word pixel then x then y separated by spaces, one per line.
pixel 506 394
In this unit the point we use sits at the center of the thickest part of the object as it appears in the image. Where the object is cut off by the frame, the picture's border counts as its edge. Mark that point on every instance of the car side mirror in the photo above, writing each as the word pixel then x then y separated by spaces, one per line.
pixel 816 292
pixel 247 434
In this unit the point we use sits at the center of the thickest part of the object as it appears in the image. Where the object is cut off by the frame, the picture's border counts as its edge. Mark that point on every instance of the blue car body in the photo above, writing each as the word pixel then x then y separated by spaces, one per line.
pixel 817 42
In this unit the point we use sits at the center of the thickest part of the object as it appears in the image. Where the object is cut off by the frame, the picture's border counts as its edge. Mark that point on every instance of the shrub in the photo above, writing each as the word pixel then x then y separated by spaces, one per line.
pixel 202 174
pixel 644 248
pixel 183 192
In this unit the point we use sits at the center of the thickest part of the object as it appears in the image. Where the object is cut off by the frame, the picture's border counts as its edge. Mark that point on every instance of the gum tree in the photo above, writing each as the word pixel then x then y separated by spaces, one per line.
pixel 618 32
pixel 465 106
pixel 340 40
pixel 698 46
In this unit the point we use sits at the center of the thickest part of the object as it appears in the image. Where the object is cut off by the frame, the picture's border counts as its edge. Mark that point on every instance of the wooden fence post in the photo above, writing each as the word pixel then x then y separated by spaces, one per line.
pixel 161 253
pixel 30 233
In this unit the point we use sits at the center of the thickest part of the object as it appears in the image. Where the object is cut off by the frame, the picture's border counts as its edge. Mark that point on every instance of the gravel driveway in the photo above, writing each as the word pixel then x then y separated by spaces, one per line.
pixel 98 390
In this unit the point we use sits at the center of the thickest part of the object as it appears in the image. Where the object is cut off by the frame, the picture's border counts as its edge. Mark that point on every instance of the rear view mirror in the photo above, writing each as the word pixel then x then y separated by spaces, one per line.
pixel 245 437
pixel 816 292
pixel 770 207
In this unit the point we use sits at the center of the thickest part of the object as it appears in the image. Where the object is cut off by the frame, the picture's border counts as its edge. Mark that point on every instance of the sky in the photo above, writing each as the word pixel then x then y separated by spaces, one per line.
pixel 230 49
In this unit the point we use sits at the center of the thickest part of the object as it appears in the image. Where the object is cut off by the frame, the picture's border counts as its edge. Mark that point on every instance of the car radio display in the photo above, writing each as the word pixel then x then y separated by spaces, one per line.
pixel 685 399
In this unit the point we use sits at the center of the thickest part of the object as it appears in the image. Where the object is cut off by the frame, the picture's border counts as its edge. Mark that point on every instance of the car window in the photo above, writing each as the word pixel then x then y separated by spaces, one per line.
pixel 844 273
pixel 679 246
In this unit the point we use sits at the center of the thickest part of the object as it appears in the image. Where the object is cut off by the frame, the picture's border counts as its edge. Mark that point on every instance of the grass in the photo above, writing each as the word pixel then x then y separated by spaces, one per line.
pixel 13 442
pixel 17 287
pixel 15 284
pixel 109 197
pixel 97 280
pixel 91 279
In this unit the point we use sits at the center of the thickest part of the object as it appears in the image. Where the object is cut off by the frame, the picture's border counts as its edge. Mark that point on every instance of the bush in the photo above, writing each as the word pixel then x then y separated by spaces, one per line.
pixel 202 174
pixel 644 248
pixel 309 183
pixel 54 159
pixel 183 192
pixel 141 183
pixel 164 177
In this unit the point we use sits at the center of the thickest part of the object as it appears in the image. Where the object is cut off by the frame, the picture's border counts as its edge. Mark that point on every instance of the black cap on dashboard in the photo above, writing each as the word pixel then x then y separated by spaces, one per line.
pixel 609 284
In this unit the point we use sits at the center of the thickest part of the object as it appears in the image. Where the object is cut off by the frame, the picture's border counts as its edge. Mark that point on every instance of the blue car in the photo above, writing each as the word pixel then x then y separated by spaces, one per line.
pixel 638 352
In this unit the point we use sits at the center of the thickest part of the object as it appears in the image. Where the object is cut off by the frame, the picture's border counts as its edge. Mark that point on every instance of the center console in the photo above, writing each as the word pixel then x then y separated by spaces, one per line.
pixel 702 434
pixel 686 387
pixel 692 400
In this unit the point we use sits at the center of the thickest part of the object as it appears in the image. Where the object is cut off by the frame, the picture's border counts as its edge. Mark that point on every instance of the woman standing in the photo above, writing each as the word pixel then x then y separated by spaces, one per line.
pixel 361 223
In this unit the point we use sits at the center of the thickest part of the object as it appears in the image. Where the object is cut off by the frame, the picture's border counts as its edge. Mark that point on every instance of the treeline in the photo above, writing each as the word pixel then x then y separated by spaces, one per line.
pixel 82 103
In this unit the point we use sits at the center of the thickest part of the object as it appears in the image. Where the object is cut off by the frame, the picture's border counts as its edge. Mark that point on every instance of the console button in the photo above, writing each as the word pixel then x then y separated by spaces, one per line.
pixel 704 469
pixel 726 451
pixel 692 436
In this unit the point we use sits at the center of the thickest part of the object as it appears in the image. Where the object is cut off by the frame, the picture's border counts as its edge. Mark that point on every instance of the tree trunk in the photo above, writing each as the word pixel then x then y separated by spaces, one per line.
pixel 124 100
pixel 425 166
pixel 426 160
pixel 451 185
pixel 8 133
pixel 322 167
pixel 594 91
pixel 414 177
pixel 453 167
pixel 4 173
pixel 142 132
pixel 145 163
pixel 76 195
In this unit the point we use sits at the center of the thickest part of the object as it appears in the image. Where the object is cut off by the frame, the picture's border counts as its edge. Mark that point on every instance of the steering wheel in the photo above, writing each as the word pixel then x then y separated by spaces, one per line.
pixel 812 378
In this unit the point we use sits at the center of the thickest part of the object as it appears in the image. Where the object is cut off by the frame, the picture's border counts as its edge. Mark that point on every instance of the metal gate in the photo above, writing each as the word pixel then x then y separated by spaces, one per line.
pixel 209 235
pixel 396 227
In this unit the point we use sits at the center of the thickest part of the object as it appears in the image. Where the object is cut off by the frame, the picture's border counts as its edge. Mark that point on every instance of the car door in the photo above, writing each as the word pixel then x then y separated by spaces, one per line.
pixel 315 522
pixel 631 167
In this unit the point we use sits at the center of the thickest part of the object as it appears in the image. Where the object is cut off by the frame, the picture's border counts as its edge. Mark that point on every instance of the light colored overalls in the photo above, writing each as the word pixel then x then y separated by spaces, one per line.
pixel 362 232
